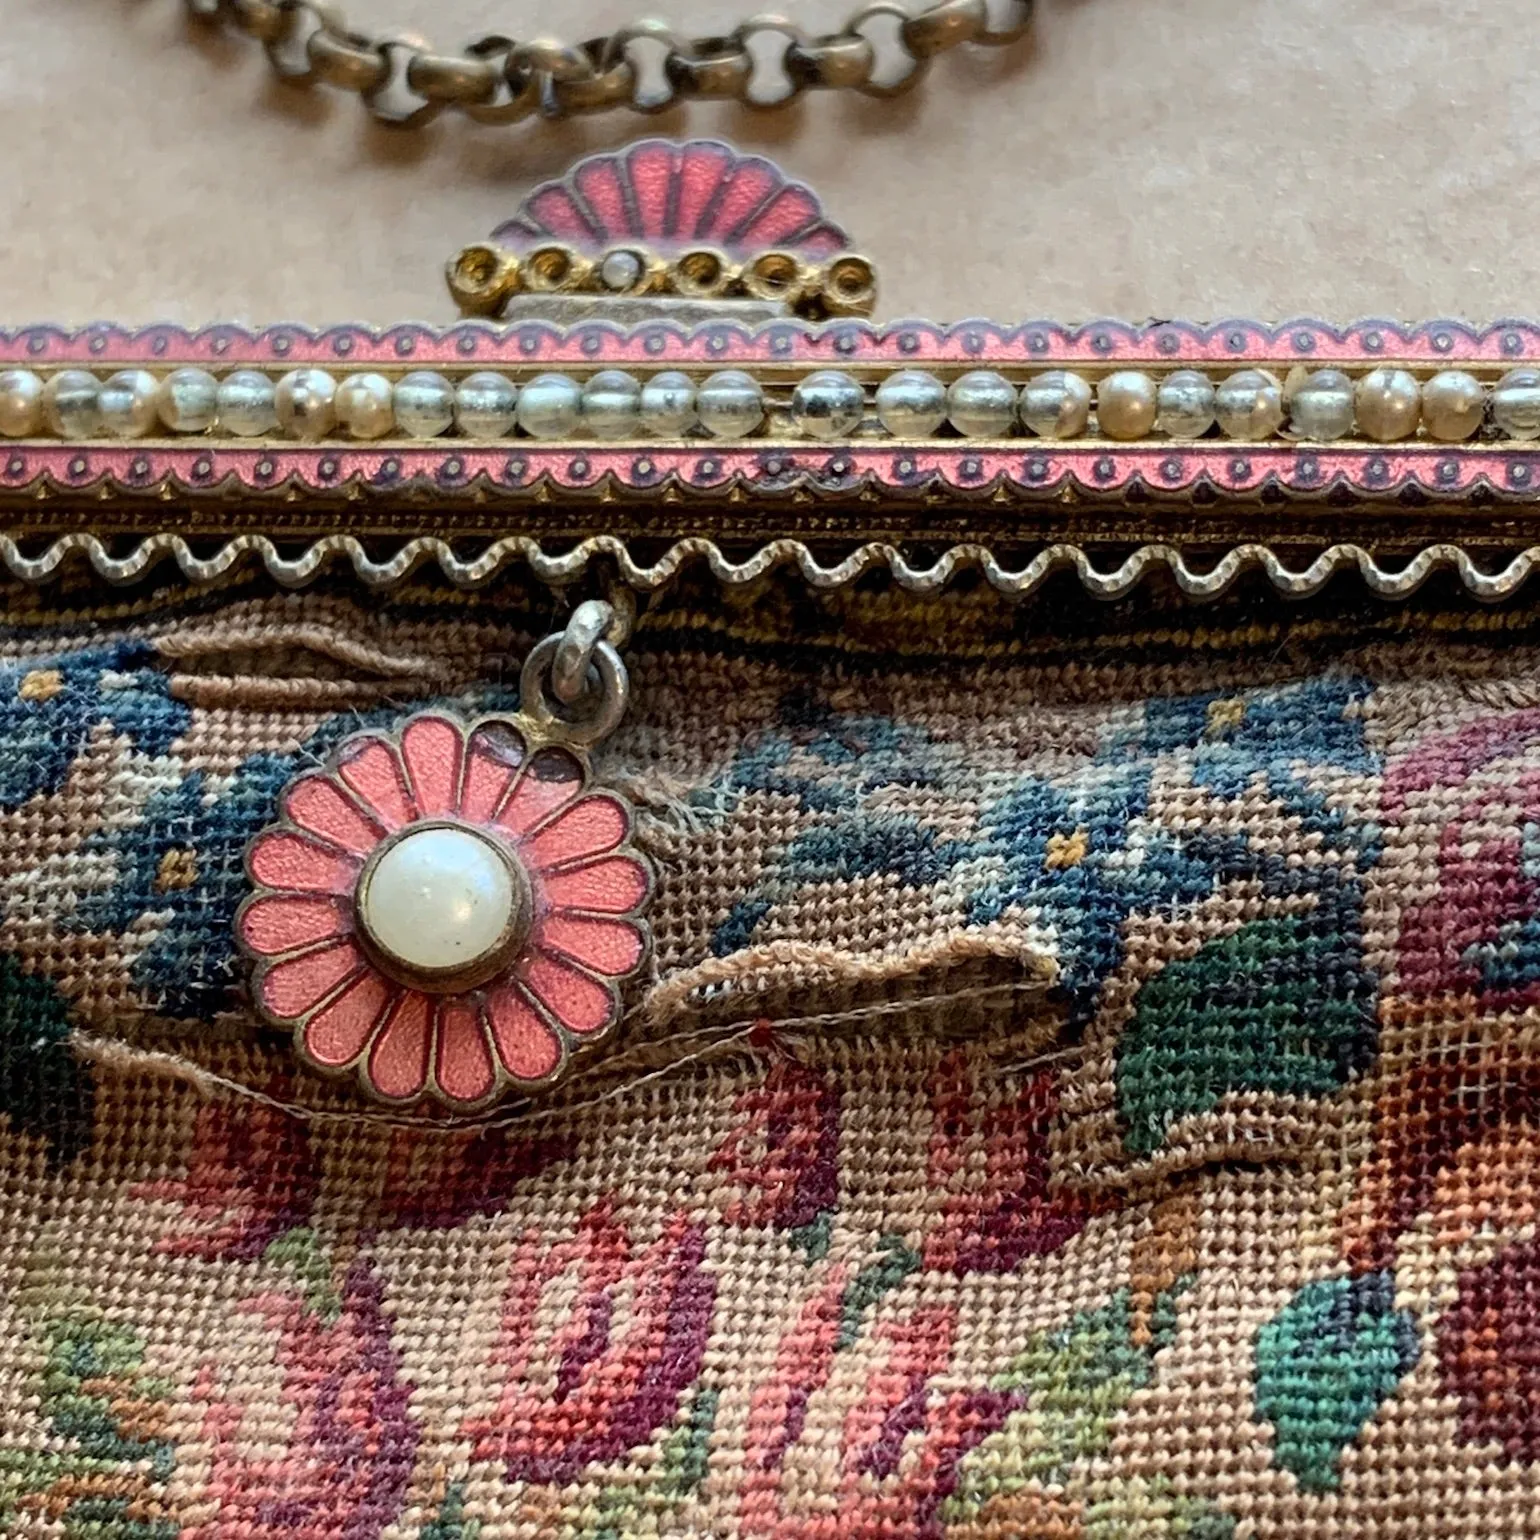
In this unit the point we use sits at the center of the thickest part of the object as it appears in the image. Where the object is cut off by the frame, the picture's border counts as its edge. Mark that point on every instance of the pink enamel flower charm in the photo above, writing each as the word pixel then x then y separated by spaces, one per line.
pixel 446 911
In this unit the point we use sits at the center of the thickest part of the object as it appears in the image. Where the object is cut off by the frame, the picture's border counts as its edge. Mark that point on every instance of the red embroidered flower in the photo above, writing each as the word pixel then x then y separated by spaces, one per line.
pixel 445 912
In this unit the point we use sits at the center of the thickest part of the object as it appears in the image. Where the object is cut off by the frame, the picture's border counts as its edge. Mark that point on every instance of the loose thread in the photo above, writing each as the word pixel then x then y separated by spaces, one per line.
pixel 121 1056
pixel 711 1044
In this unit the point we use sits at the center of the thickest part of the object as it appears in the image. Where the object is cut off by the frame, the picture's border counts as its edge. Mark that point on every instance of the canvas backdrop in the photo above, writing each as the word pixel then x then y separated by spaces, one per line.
pixel 1140 157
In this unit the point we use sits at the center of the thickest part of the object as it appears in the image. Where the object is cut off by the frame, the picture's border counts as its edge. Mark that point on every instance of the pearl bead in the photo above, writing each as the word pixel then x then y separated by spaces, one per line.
pixel 621 271
pixel 21 403
pixel 1186 404
pixel 72 404
pixel 306 403
pixel 439 900
pixel 911 404
pixel 1126 404
pixel 668 404
pixel 828 404
pixel 425 404
pixel 1389 404
pixel 365 406
pixel 246 404
pixel 1249 404
pixel 1453 405
pixel 982 404
pixel 1056 404
pixel 486 405
pixel 550 406
pixel 612 405
pixel 188 401
pixel 127 403
pixel 1320 405
pixel 1516 404
pixel 730 404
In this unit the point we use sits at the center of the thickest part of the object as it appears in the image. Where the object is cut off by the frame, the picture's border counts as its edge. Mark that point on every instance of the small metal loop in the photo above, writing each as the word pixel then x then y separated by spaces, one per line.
pixel 1012 31
pixel 454 79
pixel 348 60
pixel 590 624
pixel 944 26
pixel 613 695
pixel 289 54
pixel 840 61
pixel 518 92
pixel 554 59
pixel 603 88
pixel 265 20
pixel 770 25
pixel 405 111
pixel 901 84
pixel 714 69
pixel 621 45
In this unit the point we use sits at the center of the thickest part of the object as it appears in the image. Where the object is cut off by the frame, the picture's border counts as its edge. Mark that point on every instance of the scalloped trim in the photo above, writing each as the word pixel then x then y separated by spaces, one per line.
pixel 471 572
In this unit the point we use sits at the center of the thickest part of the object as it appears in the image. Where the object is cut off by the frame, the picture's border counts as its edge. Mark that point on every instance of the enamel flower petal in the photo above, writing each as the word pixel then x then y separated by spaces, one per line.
pixel 447 911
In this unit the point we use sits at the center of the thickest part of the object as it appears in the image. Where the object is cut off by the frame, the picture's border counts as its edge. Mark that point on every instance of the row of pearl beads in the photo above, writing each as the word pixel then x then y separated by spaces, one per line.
pixel 1386 404
pixel 311 404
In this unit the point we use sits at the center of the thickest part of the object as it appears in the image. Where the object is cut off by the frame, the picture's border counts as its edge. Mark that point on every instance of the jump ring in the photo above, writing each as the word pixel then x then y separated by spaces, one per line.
pixel 614 695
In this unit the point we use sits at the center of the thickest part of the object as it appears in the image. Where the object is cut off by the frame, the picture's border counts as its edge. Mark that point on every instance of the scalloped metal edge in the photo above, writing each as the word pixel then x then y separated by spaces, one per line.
pixel 569 566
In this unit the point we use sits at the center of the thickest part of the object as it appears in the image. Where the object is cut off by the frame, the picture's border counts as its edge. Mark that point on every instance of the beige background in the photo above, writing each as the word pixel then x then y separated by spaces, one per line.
pixel 1141 157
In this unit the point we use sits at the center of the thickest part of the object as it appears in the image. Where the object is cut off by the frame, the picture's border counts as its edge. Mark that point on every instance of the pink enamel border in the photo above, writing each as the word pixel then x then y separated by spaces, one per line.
pixel 1031 467
pixel 849 343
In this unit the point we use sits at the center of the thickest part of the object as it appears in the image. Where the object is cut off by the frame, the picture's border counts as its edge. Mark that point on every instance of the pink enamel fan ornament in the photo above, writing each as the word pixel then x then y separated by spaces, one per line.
pixel 449 909
pixel 697 221
pixel 671 197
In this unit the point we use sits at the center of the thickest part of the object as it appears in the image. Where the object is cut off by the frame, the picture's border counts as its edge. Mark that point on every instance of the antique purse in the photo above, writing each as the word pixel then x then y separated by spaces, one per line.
pixel 670 911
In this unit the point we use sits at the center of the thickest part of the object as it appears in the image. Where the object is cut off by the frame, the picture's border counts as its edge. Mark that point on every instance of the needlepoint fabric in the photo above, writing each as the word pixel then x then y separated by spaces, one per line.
pixel 1083 1089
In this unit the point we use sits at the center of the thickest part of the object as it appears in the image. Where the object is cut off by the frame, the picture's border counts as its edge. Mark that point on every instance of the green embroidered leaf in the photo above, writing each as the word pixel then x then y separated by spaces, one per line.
pixel 1324 1364
pixel 871 1283
pixel 451 1523
pixel 302 1251
pixel 1283 1005
pixel 111 1463
pixel 814 1238
pixel 93 1381
pixel 1077 1377
pixel 617 1513
pixel 1122 1507
pixel 686 1453
pixel 44 1089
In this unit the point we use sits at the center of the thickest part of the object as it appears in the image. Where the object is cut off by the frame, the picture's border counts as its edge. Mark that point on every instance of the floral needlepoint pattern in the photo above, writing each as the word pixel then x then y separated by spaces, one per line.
pixel 447 911
pixel 1092 1093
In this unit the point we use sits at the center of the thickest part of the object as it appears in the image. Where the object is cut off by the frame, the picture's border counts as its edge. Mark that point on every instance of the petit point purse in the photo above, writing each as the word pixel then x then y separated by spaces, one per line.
pixel 667 910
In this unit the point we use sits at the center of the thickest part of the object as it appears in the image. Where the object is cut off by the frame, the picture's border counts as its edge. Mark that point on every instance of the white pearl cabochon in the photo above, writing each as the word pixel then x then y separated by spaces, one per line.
pixel 439 899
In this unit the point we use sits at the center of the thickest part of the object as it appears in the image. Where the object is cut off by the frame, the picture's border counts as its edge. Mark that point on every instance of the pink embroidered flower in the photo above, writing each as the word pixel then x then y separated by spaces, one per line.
pixel 602 1335
pixel 445 912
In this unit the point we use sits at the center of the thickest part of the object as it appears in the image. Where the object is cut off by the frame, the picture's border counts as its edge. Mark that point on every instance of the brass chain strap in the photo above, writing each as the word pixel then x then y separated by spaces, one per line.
pixel 884 49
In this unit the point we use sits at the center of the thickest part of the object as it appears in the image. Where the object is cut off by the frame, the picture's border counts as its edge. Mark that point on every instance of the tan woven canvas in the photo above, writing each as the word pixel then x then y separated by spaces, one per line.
pixel 1086 1087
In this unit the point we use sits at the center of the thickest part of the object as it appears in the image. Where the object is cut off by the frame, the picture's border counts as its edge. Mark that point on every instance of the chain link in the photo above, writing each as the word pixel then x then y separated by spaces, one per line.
pixel 884 49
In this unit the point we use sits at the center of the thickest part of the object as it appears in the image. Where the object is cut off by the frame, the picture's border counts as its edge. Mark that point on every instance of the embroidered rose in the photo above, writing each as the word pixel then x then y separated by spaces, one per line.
pixel 448 913
pixel 601 1337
